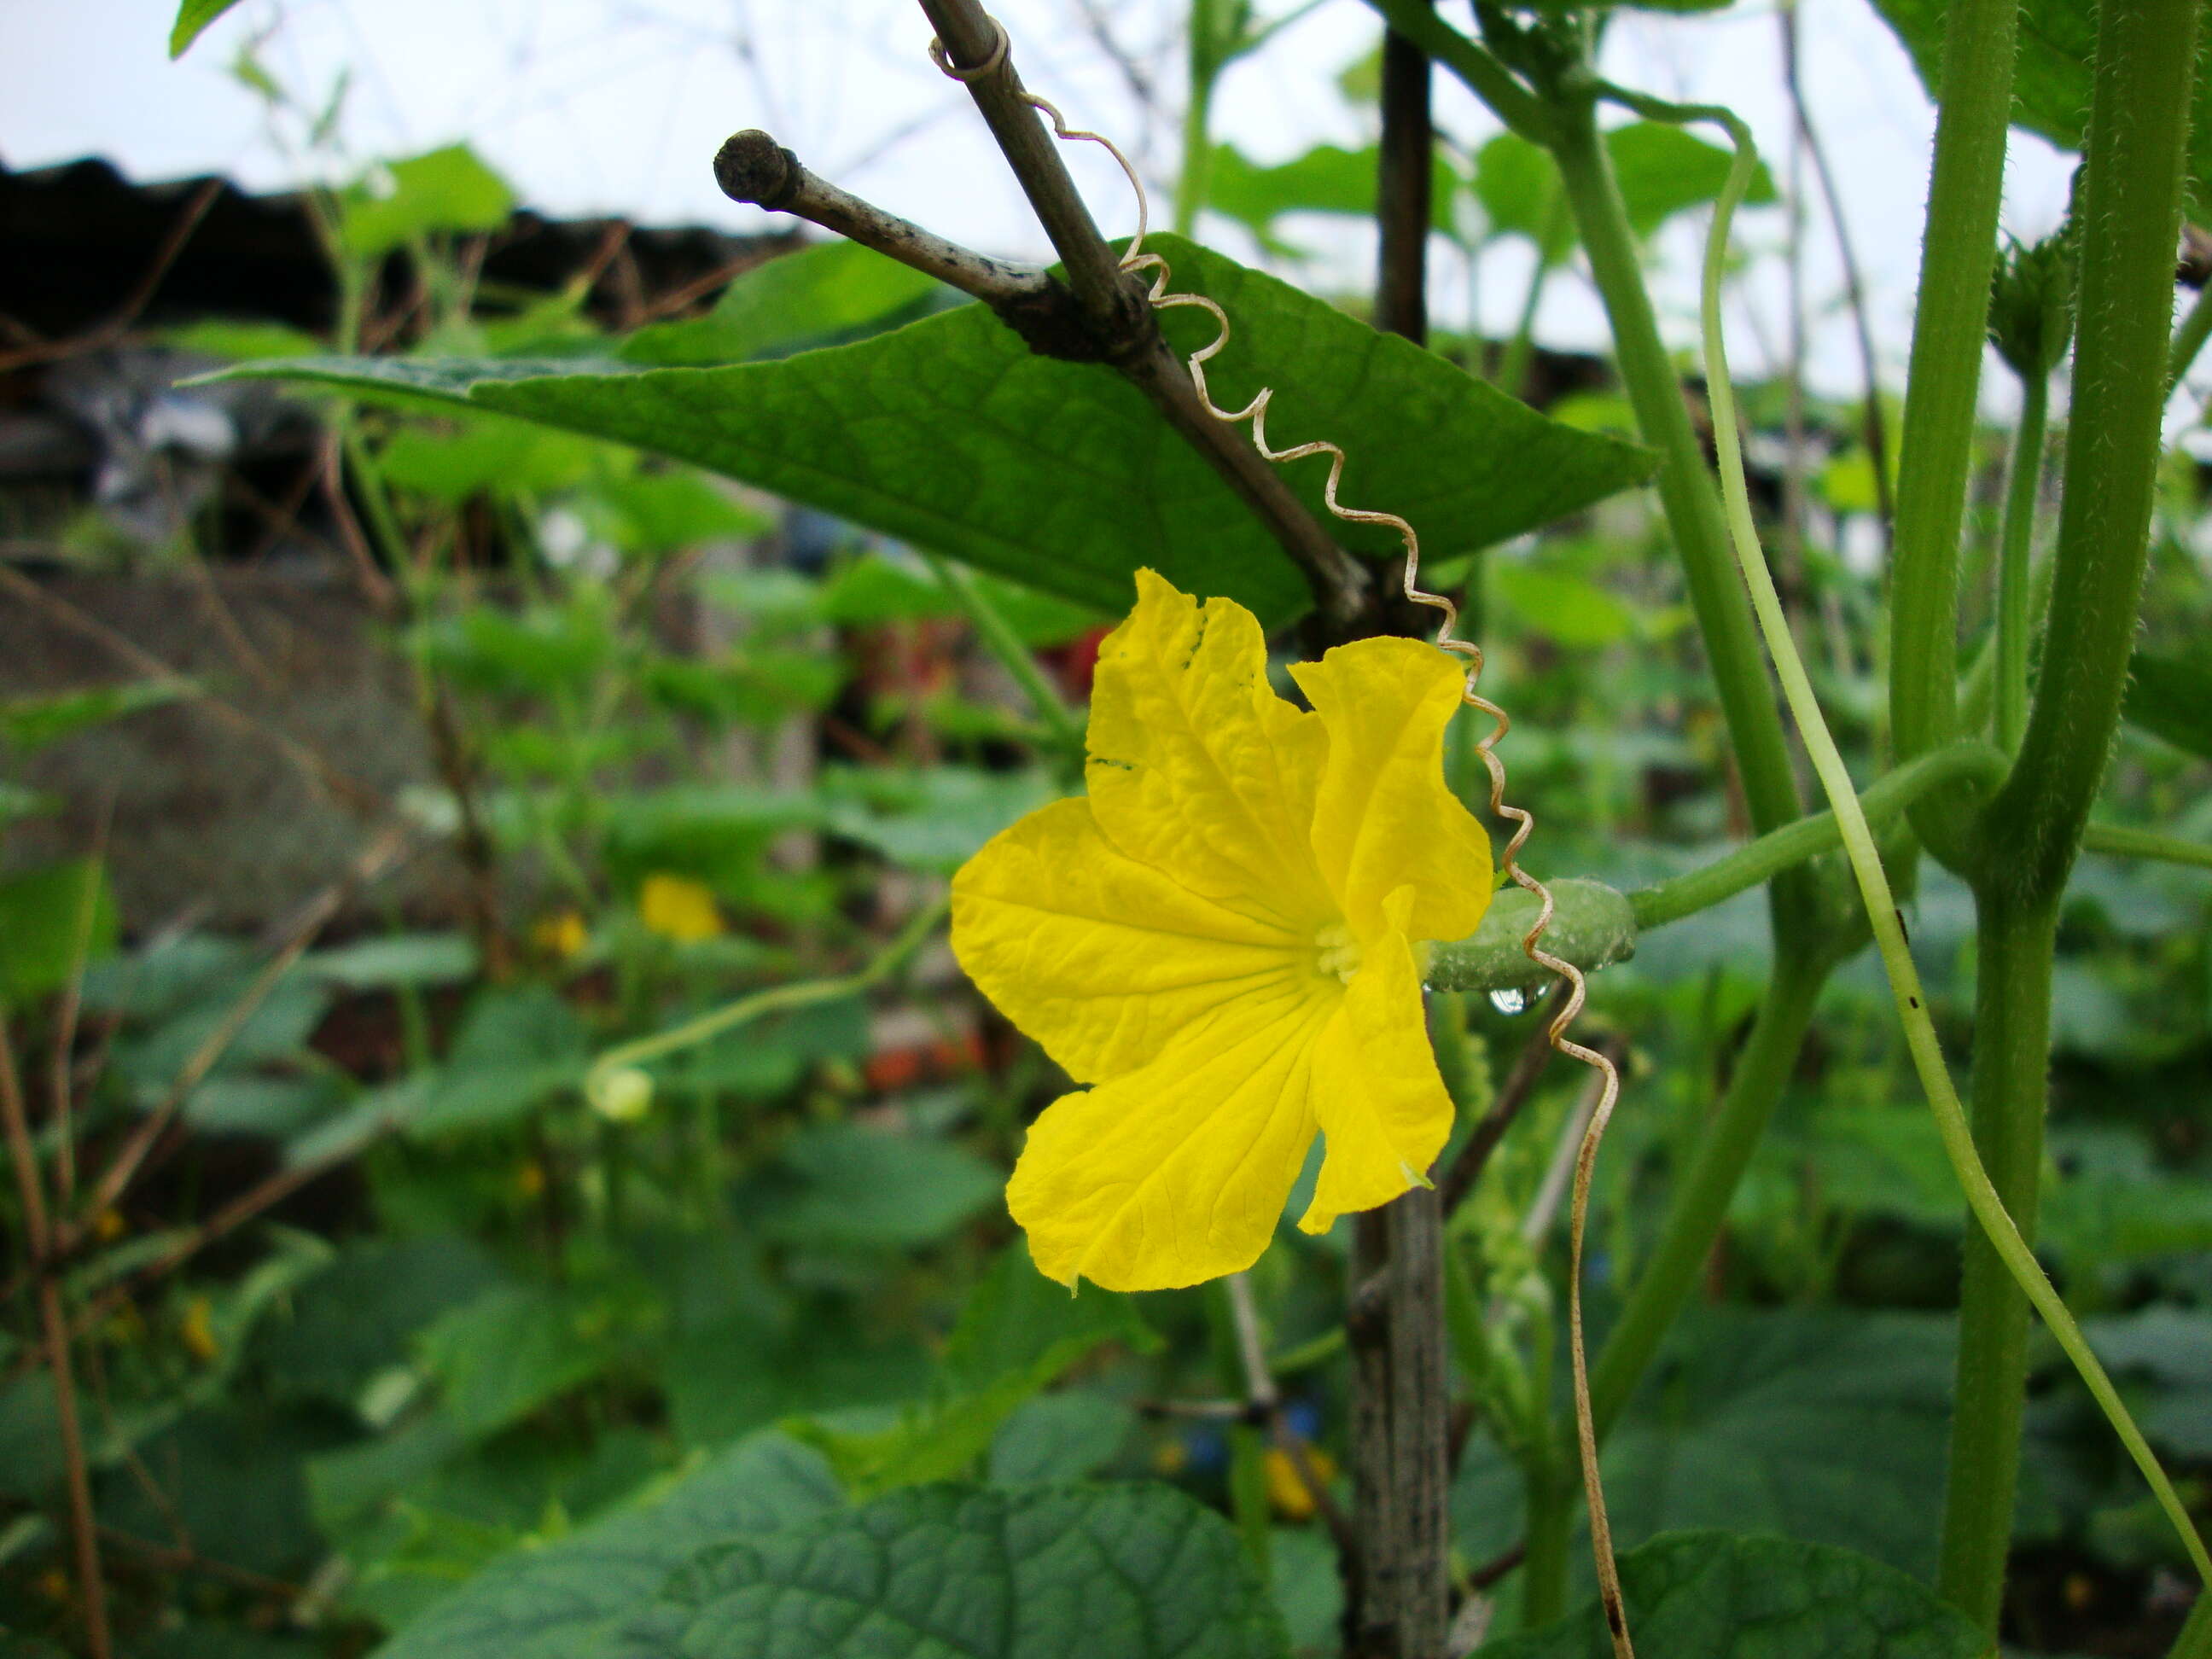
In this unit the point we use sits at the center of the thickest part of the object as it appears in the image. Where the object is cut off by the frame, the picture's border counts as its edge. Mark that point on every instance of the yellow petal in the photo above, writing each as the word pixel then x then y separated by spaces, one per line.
pixel 1101 959
pixel 677 907
pixel 1177 1173
pixel 1383 818
pixel 1196 766
pixel 1382 1107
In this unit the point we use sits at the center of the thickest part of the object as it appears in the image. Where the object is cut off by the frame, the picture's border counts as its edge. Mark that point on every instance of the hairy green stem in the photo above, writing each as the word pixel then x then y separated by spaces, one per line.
pixel 1686 487
pixel 1701 1193
pixel 2014 611
pixel 1489 80
pixel 1551 1498
pixel 1001 640
pixel 2131 200
pixel 1882 914
pixel 2189 340
pixel 1808 837
pixel 2012 1044
pixel 1937 457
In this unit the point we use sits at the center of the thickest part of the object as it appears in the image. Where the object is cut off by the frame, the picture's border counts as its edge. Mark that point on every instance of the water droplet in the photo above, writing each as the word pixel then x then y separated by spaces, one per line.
pixel 1510 1001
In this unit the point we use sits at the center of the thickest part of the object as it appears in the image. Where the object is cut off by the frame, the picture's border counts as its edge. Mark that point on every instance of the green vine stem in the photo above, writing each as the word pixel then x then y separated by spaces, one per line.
pixel 998 637
pixel 2032 831
pixel 1808 837
pixel 2004 1238
pixel 614 1080
pixel 2014 542
pixel 1937 457
pixel 2118 841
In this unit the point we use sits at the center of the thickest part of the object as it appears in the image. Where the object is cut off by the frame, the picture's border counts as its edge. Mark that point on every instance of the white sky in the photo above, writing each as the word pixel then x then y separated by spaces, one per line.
pixel 617 106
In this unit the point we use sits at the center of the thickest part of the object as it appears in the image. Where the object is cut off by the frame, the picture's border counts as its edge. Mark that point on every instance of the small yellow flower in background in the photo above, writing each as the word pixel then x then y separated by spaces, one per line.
pixel 109 1225
pixel 1225 939
pixel 561 936
pixel 1288 1495
pixel 677 907
pixel 197 1330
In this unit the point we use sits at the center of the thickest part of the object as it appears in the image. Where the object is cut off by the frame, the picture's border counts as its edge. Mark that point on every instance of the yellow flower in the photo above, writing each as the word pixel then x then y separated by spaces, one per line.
pixel 1224 937
pixel 677 907
pixel 197 1329
pixel 562 935
pixel 1288 1495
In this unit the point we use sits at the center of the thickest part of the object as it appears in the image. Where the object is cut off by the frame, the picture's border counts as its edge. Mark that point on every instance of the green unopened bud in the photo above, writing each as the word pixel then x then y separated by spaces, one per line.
pixel 2032 304
pixel 623 1095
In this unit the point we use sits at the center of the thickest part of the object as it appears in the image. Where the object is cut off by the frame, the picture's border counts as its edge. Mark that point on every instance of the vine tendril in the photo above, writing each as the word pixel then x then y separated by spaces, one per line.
pixel 1254 414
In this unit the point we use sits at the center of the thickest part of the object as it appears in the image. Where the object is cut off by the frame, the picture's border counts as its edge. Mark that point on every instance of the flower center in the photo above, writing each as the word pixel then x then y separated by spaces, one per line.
pixel 1336 953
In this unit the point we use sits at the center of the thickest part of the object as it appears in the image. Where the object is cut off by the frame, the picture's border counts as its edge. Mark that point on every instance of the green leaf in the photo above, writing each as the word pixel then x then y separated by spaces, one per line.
pixel 1723 1596
pixel 1069 1435
pixel 567 1598
pixel 446 189
pixel 397 960
pixel 662 512
pixel 951 433
pixel 947 1572
pixel 1665 170
pixel 192 17
pixel 830 291
pixel 1327 178
pixel 1016 1333
pixel 53 921
pixel 484 454
pixel 2170 697
pixel 864 1188
pixel 352 1320
pixel 934 819
pixel 515 1048
pixel 502 1354
pixel 1575 613
pixel 1823 1424
pixel 2052 79
pixel 32 722
pixel 1662 170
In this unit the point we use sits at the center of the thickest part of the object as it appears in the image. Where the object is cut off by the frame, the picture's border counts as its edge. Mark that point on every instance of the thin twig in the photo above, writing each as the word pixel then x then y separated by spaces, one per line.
pixel 973 49
pixel 108 333
pixel 54 1334
pixel 127 1162
pixel 1264 1401
pixel 354 792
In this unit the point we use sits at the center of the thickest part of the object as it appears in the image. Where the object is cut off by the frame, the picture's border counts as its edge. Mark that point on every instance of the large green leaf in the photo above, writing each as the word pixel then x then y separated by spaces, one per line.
pixel 2052 80
pixel 846 1186
pixel 949 1573
pixel 2170 697
pixel 951 433
pixel 1016 1333
pixel 1723 1595
pixel 567 1599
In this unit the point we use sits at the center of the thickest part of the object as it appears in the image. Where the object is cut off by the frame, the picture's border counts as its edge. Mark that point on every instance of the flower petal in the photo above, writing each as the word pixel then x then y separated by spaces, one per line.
pixel 1102 960
pixel 1383 818
pixel 1177 1173
pixel 1376 1094
pixel 1196 766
